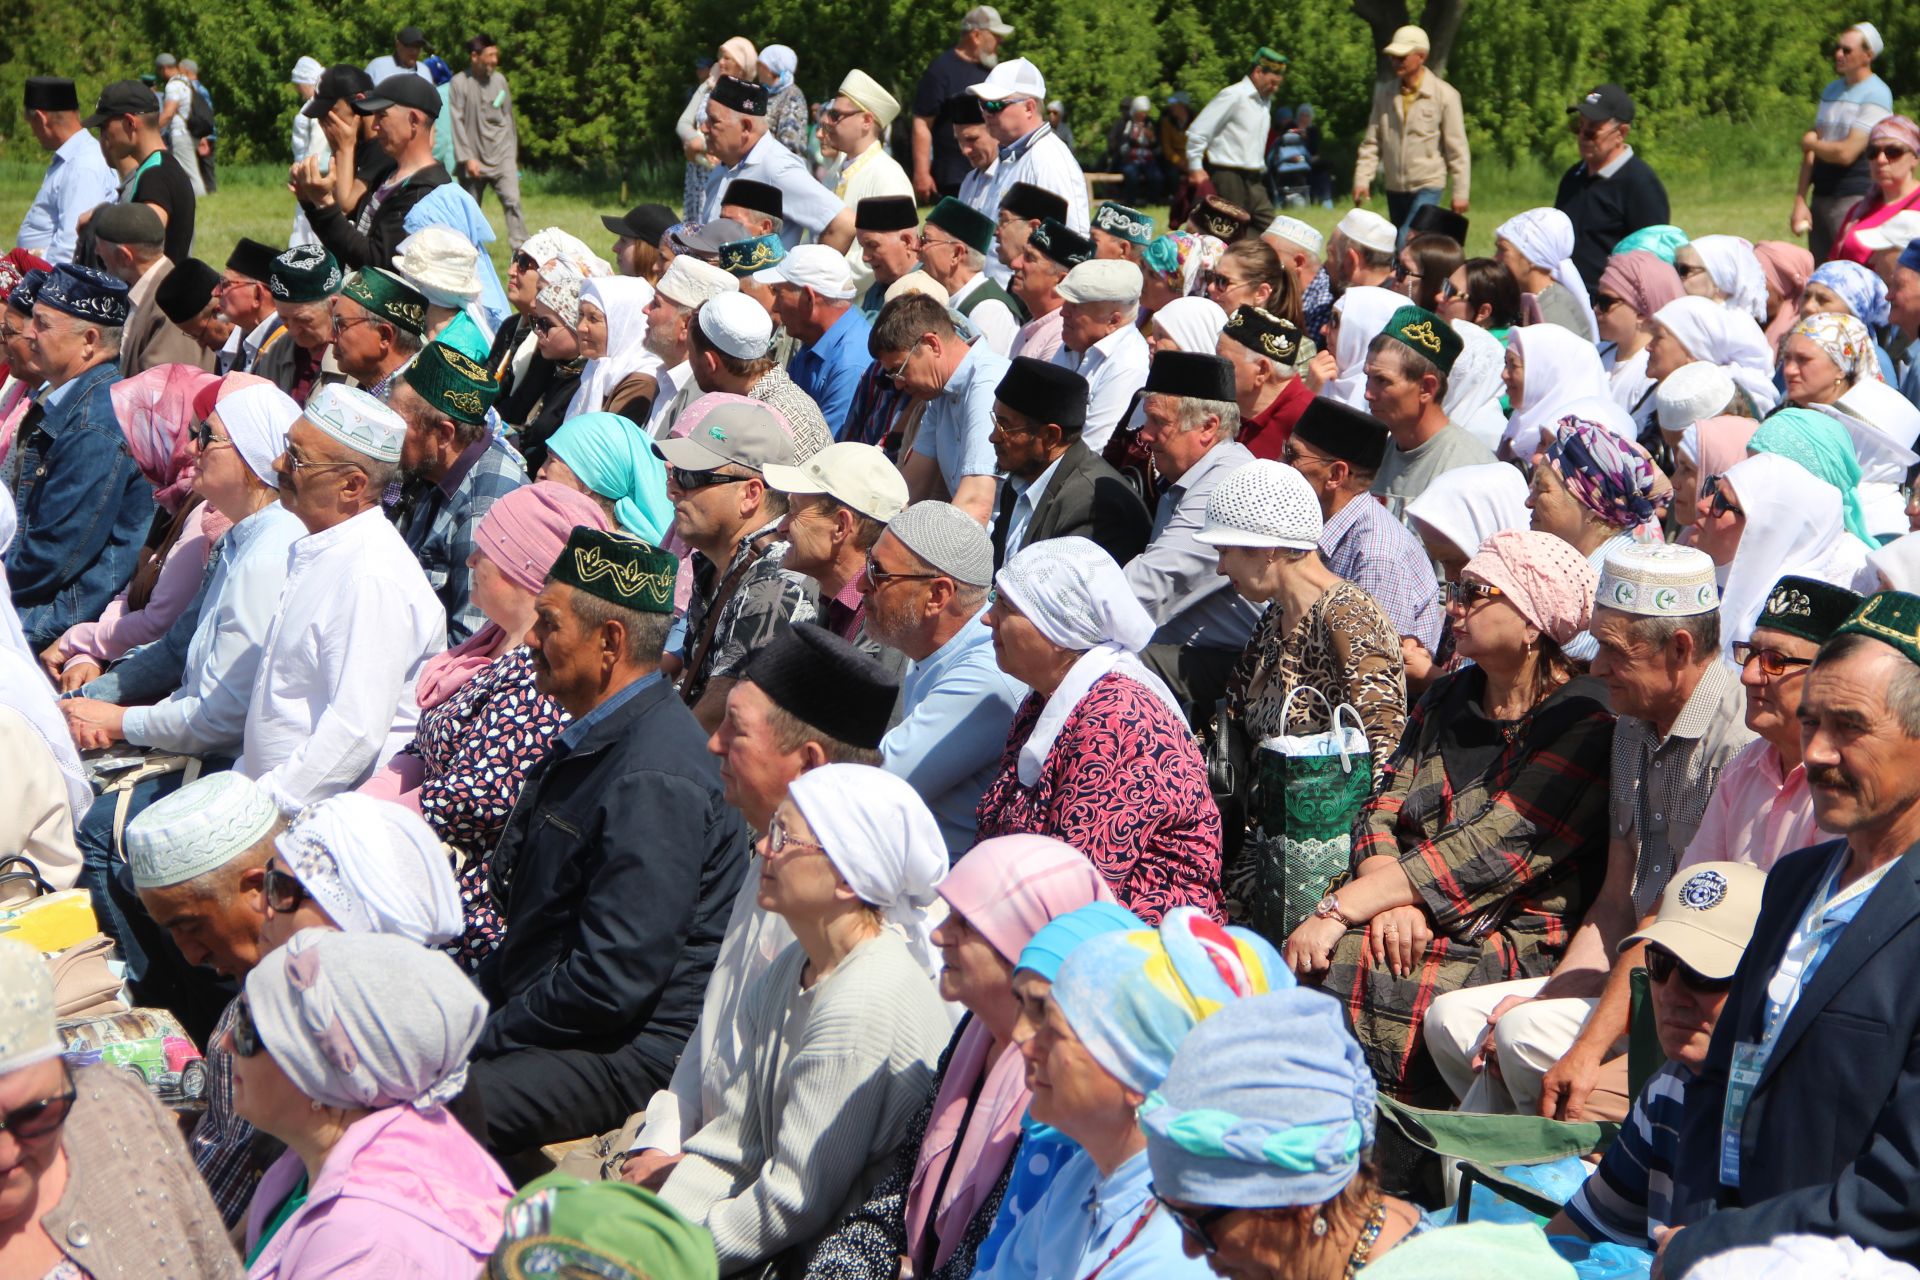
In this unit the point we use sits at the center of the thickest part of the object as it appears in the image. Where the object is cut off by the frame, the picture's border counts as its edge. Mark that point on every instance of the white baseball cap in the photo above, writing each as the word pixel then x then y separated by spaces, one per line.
pixel 1294 231
pixel 818 267
pixel 737 325
pixel 1102 280
pixel 691 282
pixel 1895 233
pixel 1369 230
pixel 1016 79
pixel 853 474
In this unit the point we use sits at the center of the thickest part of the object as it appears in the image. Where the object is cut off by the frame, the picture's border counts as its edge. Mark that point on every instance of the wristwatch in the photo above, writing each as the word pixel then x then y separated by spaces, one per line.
pixel 1328 908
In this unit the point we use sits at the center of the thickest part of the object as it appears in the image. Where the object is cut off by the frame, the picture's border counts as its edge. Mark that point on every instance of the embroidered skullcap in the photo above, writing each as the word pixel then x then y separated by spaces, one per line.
pixel 690 282
pixel 1221 218
pixel 1268 1104
pixel 366 1020
pixel 1294 231
pixel 1128 224
pixel 748 97
pixel 743 258
pixel 1425 334
pixel 947 539
pixel 1261 331
pixel 1061 245
pixel 452 384
pixel 560 1225
pixel 357 420
pixel 28 1033
pixel 203 826
pixel 20 297
pixel 1262 503
pixel 1808 608
pixel 86 293
pixel 1612 478
pixel 387 297
pixel 1658 581
pixel 374 867
pixel 1543 577
pixel 305 274
pixel 1891 617
pixel 1690 393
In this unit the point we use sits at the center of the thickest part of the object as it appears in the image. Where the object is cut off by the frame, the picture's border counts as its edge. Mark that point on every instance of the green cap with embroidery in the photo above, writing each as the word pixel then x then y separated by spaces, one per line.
pixel 1891 617
pixel 1268 58
pixel 1418 329
pixel 964 223
pixel 561 1226
pixel 618 568
pixel 305 274
pixel 387 297
pixel 453 383
pixel 1807 607
pixel 744 257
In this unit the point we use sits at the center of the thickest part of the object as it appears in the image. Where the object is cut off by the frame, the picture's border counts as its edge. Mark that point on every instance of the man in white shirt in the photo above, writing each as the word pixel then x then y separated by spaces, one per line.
pixel 737 137
pixel 334 696
pixel 979 148
pixel 1013 98
pixel 408 43
pixel 176 105
pixel 77 177
pixel 1227 142
pixel 686 283
pixel 953 250
pixel 1098 341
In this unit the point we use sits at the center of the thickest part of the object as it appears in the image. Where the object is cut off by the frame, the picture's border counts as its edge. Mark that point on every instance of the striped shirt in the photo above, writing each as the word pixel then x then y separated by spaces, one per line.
pixel 1629 1198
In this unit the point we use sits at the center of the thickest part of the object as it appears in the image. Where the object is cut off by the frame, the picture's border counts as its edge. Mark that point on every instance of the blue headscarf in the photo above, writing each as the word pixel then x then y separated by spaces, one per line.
pixel 448 206
pixel 1823 447
pixel 782 61
pixel 1659 240
pixel 1864 292
pixel 1052 942
pixel 613 458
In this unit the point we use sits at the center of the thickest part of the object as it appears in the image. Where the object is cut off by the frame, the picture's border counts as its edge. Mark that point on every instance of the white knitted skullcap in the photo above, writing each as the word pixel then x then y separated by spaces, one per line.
pixel 1263 504
pixel 27 1032
pixel 1294 231
pixel 204 825
pixel 1690 393
pixel 691 282
pixel 737 325
pixel 948 539
pixel 1656 580
pixel 357 420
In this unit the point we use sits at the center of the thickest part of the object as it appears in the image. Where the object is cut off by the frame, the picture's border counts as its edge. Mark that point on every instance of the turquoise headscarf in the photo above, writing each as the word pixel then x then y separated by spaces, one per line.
pixel 613 458
pixel 1823 447
pixel 1659 240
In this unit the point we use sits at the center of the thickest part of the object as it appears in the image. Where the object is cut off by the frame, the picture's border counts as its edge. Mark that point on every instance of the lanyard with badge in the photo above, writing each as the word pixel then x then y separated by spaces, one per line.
pixel 1783 993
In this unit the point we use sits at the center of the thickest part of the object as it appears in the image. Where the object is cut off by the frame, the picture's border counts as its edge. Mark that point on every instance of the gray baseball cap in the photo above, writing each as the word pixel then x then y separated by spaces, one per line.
pixel 741 435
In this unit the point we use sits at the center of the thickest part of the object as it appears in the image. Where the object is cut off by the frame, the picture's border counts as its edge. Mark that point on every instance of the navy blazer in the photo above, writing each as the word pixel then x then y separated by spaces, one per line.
pixel 1831 1141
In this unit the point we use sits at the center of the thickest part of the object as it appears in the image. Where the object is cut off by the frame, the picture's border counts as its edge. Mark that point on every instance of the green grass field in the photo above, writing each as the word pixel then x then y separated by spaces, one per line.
pixel 1726 178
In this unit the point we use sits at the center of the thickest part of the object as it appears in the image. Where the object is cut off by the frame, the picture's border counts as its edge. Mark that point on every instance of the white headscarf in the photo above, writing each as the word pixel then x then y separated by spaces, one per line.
pixel 1720 335
pixel 1796 1257
pixel 1559 368
pixel 375 867
pixel 1883 425
pixel 884 842
pixel 1193 323
pixel 256 419
pixel 624 300
pixel 1076 596
pixel 25 688
pixel 11 635
pixel 1544 237
pixel 1736 272
pixel 1474 388
pixel 1364 311
pixel 1898 564
pixel 1468 505
pixel 307 70
pixel 1793 524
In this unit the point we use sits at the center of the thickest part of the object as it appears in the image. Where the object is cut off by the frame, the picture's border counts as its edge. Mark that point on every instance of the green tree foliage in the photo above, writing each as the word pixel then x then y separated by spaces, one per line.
pixel 599 83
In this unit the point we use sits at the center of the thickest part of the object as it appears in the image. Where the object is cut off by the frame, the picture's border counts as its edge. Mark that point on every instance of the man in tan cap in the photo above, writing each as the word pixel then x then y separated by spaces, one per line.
pixel 852 124
pixel 1416 136
pixel 838 505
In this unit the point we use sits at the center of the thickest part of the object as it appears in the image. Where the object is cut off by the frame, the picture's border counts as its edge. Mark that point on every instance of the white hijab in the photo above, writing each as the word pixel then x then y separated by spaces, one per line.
pixel 1364 311
pixel 1736 272
pixel 1560 367
pixel 376 867
pixel 1897 565
pixel 884 842
pixel 1468 505
pixel 624 300
pixel 1193 323
pixel 25 688
pixel 1544 237
pixel 1474 387
pixel 1793 526
pixel 256 418
pixel 1877 429
pixel 1720 335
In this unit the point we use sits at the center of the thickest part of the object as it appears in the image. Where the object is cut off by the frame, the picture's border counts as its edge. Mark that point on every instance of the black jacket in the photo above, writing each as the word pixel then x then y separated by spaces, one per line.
pixel 614 876
pixel 1831 1141
pixel 375 246
pixel 1085 497
pixel 1605 211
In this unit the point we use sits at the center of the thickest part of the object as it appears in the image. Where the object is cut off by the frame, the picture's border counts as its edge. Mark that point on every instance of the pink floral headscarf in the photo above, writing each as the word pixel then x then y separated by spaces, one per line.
pixel 155 409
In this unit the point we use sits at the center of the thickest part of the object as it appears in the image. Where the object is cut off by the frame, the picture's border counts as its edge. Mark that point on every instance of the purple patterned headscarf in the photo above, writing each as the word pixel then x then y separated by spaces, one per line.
pixel 1612 477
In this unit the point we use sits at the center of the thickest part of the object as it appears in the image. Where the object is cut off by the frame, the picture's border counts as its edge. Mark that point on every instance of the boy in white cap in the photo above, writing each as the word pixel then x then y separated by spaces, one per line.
pixel 334 697
pixel 813 292
pixel 853 123
pixel 1100 341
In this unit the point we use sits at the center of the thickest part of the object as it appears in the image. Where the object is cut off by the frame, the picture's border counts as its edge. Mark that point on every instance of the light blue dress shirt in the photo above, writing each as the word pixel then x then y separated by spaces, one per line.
pixel 956 707
pixel 77 179
pixel 806 204
pixel 955 428
pixel 830 370
pixel 1082 1220
pixel 1026 500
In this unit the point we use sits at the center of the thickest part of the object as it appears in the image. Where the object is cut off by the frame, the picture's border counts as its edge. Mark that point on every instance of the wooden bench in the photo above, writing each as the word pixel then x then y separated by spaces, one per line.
pixel 1112 179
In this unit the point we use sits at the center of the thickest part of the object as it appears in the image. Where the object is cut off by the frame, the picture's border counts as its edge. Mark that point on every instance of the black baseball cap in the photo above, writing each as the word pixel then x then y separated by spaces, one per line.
pixel 411 36
pixel 405 90
pixel 342 80
pixel 644 222
pixel 122 98
pixel 1606 102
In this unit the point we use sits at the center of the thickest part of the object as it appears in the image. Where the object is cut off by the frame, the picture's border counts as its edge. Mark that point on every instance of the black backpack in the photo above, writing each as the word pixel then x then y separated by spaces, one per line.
pixel 200 116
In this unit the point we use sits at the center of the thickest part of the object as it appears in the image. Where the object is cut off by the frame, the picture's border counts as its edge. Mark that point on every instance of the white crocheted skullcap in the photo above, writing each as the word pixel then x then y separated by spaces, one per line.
pixel 948 539
pixel 1263 503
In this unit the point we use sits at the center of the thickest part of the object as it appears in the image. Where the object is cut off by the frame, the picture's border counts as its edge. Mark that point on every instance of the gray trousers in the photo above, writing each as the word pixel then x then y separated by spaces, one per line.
pixel 507 187
pixel 1828 213
pixel 1246 188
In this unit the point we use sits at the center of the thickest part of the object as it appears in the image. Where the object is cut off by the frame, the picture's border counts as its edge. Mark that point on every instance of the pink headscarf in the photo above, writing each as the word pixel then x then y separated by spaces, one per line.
pixel 155 409
pixel 1786 267
pixel 523 533
pixel 1542 576
pixel 1006 889
pixel 1642 280
pixel 1715 444
pixel 1896 129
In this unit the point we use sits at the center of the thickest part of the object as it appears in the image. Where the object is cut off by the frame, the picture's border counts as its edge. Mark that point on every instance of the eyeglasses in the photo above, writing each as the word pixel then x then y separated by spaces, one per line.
pixel 341 326
pixel 1195 1226
pixel 1662 966
pixel 1718 503
pixel 203 438
pixel 298 463
pixel 890 374
pixel 285 893
pixel 778 838
pixel 1294 457
pixel 1468 594
pixel 38 1119
pixel 246 1036
pixel 689 481
pixel 875 577
pixel 924 244
pixel 1773 663
pixel 1887 153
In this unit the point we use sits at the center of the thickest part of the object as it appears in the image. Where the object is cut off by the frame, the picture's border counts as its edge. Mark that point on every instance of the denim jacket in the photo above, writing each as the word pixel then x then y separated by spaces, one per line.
pixel 85 510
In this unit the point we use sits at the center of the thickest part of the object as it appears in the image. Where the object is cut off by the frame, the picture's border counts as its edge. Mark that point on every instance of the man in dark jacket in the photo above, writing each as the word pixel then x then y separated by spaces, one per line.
pixel 1612 192
pixel 1057 487
pixel 405 107
pixel 84 508
pixel 618 868
pixel 1803 1119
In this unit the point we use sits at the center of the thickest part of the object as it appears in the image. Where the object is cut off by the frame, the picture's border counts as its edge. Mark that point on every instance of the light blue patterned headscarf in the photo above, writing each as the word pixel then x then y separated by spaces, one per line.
pixel 1864 292
pixel 613 458
pixel 782 61
pixel 1824 448
pixel 1660 241
pixel 1269 1104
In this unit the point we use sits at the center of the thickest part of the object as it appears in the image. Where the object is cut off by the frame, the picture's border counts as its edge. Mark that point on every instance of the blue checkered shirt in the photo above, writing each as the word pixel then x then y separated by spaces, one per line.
pixel 438 519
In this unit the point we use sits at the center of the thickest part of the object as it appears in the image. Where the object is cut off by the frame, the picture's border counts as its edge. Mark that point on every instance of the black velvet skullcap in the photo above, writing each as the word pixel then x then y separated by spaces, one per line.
pixel 827 684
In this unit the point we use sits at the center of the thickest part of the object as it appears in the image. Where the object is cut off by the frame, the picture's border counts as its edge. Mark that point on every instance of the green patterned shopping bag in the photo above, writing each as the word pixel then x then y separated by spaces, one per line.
pixel 1306 790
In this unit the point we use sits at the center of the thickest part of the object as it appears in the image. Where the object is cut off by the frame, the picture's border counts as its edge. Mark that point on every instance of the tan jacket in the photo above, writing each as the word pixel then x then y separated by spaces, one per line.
pixel 151 339
pixel 1422 150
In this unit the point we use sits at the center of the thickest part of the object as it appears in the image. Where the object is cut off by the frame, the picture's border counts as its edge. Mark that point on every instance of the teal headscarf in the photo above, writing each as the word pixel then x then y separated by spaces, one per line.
pixel 1659 240
pixel 613 458
pixel 1823 447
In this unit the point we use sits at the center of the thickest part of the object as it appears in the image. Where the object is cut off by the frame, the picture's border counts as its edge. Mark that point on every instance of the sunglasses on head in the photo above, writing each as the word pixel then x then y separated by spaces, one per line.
pixel 1773 663
pixel 687 481
pixel 39 1118
pixel 1662 966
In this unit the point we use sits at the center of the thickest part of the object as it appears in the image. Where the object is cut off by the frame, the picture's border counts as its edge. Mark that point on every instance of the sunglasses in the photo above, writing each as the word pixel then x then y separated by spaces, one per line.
pixel 1601 302
pixel 998 105
pixel 1468 594
pixel 1683 270
pixel 38 1119
pixel 525 262
pixel 1773 663
pixel 833 115
pixel 246 1036
pixel 1448 293
pixel 543 325
pixel 689 481
pixel 201 433
pixel 285 893
pixel 1718 503
pixel 1887 153
pixel 1403 272
pixel 1662 965
pixel 1195 1226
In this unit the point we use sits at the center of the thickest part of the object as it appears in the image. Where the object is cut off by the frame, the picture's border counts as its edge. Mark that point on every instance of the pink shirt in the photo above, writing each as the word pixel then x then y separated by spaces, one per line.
pixel 1755 816
pixel 1039 339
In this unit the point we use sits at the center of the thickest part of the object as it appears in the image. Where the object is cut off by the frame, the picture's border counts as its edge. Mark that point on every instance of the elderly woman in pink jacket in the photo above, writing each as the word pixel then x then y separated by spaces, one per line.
pixel 346 1048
